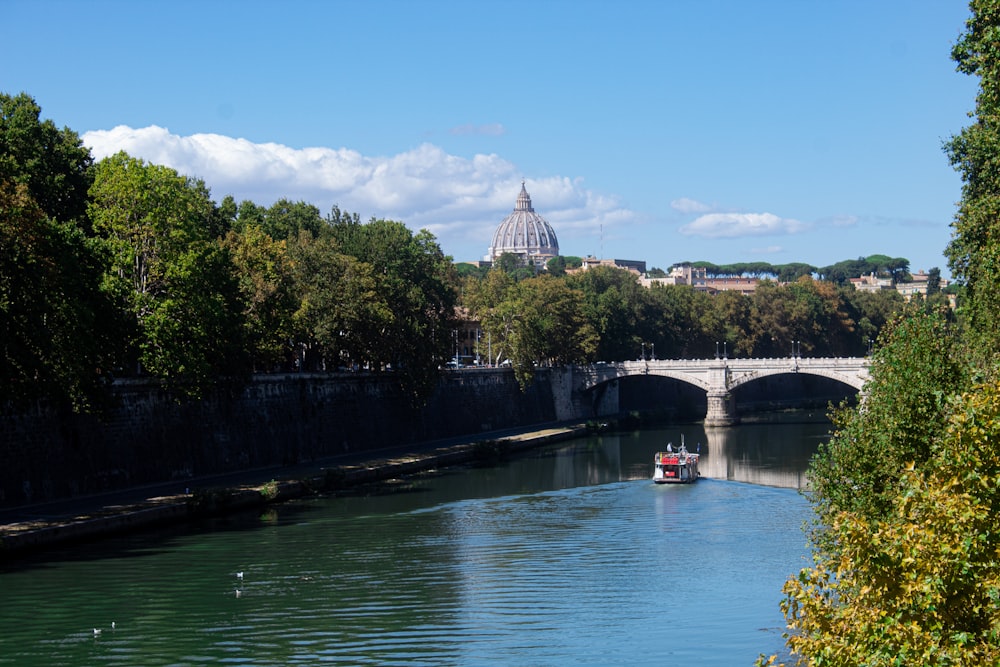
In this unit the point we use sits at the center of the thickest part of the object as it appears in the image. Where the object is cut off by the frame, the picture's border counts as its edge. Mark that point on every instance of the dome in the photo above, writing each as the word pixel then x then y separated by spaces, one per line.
pixel 524 233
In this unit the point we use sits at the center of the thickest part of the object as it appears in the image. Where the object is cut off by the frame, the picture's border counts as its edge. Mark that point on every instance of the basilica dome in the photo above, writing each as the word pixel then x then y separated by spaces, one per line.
pixel 524 233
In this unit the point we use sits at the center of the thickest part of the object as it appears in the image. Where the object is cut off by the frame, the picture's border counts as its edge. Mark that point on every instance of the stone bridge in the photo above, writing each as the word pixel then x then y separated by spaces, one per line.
pixel 718 377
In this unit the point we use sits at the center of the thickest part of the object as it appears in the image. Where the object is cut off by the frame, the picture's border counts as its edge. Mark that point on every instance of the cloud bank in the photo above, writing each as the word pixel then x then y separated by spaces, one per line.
pixel 460 200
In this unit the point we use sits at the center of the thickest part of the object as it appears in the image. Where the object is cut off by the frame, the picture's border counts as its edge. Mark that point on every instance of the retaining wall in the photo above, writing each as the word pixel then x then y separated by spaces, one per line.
pixel 275 420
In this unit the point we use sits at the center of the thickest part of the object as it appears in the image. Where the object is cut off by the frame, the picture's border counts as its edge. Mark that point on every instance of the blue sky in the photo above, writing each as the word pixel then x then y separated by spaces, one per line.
pixel 666 131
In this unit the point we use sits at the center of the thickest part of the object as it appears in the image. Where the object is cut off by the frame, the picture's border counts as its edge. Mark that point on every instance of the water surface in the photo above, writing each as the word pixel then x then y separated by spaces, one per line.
pixel 569 555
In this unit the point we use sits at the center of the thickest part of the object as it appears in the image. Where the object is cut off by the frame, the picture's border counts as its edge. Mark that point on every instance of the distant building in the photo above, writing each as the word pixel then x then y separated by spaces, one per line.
pixel 525 234
pixel 697 277
pixel 871 283
pixel 918 285
pixel 633 265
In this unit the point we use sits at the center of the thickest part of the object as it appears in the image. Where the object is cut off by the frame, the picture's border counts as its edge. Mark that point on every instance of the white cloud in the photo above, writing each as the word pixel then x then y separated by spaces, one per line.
pixel 685 205
pixel 460 200
pixel 734 225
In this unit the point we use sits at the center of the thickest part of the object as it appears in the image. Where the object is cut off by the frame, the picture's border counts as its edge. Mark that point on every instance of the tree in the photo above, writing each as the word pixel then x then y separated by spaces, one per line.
pixel 973 253
pixel 53 164
pixel 286 220
pixel 193 334
pixel 488 301
pixel 550 327
pixel 918 584
pixel 615 307
pixel 340 316
pixel 267 287
pixel 158 225
pixel 56 323
pixel 419 285
pixel 916 367
pixel 933 281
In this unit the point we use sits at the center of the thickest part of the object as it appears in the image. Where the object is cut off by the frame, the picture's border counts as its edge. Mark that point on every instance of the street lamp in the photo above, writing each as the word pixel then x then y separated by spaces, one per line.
pixel 653 347
pixel 716 349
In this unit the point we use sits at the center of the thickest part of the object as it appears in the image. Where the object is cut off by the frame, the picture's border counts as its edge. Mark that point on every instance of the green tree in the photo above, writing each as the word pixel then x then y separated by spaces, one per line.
pixel 341 316
pixel 56 322
pixel 550 327
pixel 158 225
pixel 919 583
pixel 974 253
pixel 916 367
pixel 267 287
pixel 193 334
pixel 53 164
pixel 674 322
pixel 286 220
pixel 419 284
pixel 615 307
pixel 726 323
pixel 489 301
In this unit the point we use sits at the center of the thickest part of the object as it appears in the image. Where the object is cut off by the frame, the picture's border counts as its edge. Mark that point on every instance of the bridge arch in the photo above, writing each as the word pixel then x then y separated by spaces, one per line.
pixel 719 377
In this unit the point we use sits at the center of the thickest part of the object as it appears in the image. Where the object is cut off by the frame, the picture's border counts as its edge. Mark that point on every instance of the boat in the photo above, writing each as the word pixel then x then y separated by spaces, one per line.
pixel 675 466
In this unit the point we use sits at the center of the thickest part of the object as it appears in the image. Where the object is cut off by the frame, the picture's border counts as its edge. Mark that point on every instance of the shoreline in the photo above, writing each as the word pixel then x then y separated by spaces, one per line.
pixel 27 530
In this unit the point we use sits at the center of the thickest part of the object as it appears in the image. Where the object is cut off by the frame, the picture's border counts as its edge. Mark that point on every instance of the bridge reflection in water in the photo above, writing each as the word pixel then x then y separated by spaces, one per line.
pixel 774 451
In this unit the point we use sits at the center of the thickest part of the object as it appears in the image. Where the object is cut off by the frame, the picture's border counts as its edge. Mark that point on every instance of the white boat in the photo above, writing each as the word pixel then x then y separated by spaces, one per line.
pixel 675 467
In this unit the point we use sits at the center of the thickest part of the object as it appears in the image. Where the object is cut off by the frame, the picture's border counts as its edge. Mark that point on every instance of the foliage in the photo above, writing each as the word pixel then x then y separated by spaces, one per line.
pixel 615 307
pixel 193 333
pixel 916 366
pixel 53 164
pixel 340 311
pixel 177 285
pixel 418 284
pixel 267 290
pixel 920 584
pixel 54 317
pixel 895 268
pixel 974 251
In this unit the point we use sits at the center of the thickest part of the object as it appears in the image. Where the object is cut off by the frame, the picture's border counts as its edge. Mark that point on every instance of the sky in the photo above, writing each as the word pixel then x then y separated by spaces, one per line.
pixel 666 131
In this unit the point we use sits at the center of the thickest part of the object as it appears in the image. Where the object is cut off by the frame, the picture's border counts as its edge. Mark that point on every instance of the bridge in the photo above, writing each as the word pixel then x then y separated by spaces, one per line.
pixel 718 377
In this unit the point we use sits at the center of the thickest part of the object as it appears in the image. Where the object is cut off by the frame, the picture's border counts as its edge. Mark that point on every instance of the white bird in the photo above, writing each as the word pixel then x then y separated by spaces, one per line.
pixel 239 575
pixel 97 632
pixel 238 592
pixel 112 625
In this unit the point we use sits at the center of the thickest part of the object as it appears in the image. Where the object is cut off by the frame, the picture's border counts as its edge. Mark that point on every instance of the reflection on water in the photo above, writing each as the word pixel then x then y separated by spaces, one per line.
pixel 569 555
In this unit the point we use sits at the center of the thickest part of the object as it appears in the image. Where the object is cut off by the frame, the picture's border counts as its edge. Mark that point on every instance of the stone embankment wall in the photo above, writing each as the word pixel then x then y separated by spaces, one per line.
pixel 275 420
pixel 298 418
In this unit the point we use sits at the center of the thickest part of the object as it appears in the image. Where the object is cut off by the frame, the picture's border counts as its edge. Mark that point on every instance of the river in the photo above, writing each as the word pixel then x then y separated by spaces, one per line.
pixel 567 555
